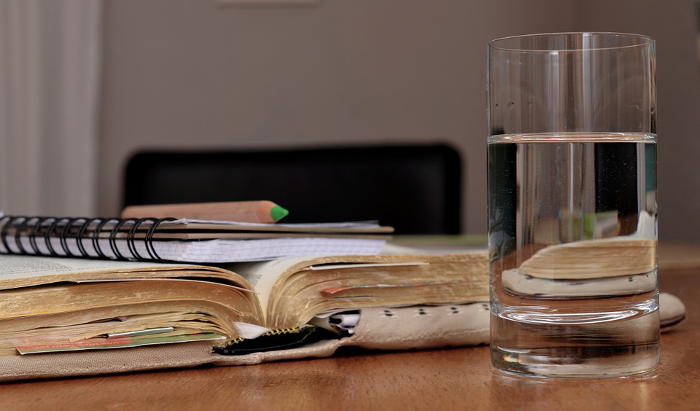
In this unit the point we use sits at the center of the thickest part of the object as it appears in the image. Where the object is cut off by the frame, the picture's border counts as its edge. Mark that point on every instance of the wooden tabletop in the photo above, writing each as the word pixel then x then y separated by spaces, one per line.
pixel 436 379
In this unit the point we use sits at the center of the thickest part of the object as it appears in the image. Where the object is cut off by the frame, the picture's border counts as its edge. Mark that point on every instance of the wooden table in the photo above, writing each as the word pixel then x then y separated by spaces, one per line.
pixel 438 379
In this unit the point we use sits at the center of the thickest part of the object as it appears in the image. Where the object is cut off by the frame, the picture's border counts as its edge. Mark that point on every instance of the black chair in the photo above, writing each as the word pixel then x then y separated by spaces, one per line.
pixel 415 189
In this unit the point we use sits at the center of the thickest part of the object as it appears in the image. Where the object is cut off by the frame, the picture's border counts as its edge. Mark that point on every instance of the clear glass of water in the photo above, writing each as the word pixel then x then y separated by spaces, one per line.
pixel 572 205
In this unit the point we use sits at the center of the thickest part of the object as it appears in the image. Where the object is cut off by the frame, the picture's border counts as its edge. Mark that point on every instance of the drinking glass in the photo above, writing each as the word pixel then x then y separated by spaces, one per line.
pixel 572 204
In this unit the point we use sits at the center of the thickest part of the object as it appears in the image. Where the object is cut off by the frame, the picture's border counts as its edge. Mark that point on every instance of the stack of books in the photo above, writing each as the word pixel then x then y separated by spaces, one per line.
pixel 136 292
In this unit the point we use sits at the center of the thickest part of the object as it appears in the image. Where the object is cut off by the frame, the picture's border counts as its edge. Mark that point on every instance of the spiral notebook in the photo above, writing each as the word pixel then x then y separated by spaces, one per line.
pixel 184 240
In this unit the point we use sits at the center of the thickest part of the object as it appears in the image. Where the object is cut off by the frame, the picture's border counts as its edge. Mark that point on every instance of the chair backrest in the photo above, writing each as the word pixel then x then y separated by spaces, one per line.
pixel 415 189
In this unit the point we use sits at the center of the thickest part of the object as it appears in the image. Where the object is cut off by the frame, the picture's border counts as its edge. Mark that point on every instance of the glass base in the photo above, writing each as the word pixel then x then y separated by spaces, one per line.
pixel 594 362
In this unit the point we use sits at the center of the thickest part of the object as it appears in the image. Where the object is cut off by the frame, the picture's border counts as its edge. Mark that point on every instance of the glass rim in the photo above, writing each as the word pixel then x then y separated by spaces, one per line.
pixel 643 40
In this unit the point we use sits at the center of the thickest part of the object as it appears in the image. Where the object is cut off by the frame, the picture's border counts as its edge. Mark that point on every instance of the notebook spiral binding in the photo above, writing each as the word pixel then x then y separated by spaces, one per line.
pixel 15 228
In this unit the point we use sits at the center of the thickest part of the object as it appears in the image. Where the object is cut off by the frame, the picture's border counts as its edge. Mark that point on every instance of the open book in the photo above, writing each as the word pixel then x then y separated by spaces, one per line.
pixel 66 314
pixel 57 305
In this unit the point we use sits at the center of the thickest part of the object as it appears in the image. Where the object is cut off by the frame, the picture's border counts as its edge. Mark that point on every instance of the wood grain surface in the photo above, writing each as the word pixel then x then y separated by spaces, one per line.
pixel 439 379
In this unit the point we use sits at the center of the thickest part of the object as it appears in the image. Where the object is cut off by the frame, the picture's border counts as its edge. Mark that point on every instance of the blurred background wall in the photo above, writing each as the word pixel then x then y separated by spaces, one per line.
pixel 183 73
pixel 192 74
pixel 672 24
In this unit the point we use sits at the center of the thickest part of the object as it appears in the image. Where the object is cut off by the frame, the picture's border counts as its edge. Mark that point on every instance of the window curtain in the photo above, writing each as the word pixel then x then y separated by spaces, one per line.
pixel 49 83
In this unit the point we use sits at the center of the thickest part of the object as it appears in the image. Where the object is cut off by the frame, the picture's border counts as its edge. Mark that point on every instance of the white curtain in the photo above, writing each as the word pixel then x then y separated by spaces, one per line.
pixel 49 83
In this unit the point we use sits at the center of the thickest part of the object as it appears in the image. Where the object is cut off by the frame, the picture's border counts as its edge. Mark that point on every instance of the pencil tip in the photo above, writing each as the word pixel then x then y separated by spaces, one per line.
pixel 277 213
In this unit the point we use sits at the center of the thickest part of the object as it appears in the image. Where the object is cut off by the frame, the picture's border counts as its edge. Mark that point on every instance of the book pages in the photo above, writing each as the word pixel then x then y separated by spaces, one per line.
pixel 19 266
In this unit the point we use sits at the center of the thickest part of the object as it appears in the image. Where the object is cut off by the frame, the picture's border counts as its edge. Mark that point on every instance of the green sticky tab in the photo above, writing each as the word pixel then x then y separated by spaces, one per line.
pixel 277 213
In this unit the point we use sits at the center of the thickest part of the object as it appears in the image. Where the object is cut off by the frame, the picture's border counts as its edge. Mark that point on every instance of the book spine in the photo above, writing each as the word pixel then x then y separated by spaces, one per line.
pixel 86 232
